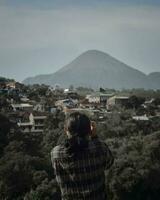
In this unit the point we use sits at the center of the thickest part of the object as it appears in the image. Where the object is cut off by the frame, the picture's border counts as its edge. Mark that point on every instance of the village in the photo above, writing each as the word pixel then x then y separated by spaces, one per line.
pixel 32 123
pixel 29 106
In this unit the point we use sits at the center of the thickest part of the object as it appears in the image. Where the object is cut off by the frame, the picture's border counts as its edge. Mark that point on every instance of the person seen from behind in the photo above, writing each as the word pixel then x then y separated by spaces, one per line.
pixel 81 160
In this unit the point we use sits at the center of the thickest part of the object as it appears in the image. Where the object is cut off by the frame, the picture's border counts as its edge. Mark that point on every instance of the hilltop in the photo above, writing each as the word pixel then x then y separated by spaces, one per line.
pixel 96 69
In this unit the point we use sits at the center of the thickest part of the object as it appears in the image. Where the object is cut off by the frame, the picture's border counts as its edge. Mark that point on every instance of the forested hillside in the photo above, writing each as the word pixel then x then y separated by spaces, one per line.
pixel 26 171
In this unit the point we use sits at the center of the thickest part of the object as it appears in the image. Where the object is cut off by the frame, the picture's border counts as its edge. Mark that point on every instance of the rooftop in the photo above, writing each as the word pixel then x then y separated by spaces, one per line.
pixel 22 105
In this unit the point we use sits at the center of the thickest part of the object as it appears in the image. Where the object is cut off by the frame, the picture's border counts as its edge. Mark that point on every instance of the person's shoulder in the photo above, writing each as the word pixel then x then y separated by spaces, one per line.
pixel 57 151
pixel 99 143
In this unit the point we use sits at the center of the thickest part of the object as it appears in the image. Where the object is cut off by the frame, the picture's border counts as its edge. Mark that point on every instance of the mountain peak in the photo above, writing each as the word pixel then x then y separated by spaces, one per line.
pixel 95 69
pixel 94 52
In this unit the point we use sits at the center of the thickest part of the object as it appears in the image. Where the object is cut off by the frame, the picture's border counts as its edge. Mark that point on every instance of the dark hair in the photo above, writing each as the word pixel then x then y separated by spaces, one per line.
pixel 78 125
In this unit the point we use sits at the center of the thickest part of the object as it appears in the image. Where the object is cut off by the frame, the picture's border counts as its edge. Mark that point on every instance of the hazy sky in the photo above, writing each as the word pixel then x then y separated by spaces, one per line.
pixel 41 36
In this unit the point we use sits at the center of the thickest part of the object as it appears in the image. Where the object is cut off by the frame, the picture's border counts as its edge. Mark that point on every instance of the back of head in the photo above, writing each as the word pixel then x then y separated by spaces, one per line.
pixel 79 128
pixel 78 124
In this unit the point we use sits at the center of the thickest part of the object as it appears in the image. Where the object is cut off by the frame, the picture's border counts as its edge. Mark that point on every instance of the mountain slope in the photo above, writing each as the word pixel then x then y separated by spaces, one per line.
pixel 154 79
pixel 95 69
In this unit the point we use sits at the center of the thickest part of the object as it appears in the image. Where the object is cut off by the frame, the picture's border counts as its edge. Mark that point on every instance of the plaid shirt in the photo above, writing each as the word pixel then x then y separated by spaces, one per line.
pixel 82 177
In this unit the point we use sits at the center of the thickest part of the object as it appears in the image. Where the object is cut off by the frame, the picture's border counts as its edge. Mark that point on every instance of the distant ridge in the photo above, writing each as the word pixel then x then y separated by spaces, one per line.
pixel 96 69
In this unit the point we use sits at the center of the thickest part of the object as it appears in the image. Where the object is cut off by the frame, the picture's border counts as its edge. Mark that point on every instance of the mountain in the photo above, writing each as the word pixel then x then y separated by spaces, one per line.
pixel 154 79
pixel 96 69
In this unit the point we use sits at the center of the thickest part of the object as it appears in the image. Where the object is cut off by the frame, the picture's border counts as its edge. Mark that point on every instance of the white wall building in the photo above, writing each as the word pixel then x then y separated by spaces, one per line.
pixel 98 98
pixel 22 107
pixel 35 124
pixel 116 101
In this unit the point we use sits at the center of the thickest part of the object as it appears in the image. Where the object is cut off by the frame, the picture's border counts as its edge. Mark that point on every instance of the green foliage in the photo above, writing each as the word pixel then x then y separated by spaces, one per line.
pixel 147 94
pixel 137 164
pixel 26 171
pixel 36 91
pixel 4 80
pixel 156 101
pixel 25 166
pixel 5 126
pixel 102 90
pixel 3 103
pixel 121 124
pixel 135 102
pixel 46 190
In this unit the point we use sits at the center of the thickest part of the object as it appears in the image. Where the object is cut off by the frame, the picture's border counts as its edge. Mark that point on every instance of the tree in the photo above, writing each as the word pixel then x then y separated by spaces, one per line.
pixel 102 90
pixel 5 126
pixel 135 102
pixel 25 166
pixel 137 164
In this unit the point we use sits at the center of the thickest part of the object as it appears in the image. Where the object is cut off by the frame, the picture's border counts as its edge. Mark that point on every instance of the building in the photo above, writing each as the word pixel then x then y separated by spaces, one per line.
pixel 141 118
pixel 98 98
pixel 104 98
pixel 117 101
pixel 70 103
pixel 93 98
pixel 86 111
pixel 22 107
pixel 24 99
pixel 39 107
pixel 35 123
pixel 25 127
pixel 11 84
pixel 37 120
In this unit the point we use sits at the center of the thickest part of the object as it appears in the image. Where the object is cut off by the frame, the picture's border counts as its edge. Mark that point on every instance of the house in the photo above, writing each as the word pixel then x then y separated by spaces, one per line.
pixel 35 123
pixel 93 98
pixel 39 107
pixel 37 119
pixel 141 118
pixel 84 103
pixel 22 107
pixel 104 98
pixel 99 98
pixel 70 103
pixel 117 101
pixel 53 109
pixel 11 84
pixel 86 111
pixel 24 99
pixel 25 127
pixel 148 102
pixel 72 95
